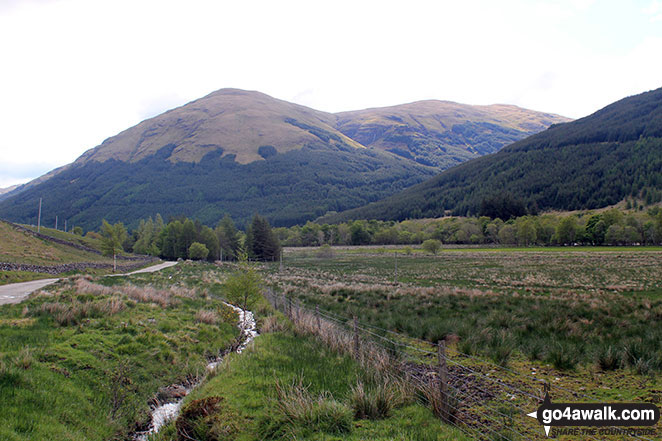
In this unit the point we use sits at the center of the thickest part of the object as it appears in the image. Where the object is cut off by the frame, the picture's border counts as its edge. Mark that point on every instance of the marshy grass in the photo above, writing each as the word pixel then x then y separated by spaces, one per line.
pixel 500 303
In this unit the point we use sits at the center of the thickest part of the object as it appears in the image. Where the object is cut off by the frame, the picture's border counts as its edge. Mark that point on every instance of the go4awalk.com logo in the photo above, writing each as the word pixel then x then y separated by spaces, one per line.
pixel 597 418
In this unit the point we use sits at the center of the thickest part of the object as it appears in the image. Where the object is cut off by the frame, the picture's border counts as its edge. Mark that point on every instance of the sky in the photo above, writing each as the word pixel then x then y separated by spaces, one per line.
pixel 75 72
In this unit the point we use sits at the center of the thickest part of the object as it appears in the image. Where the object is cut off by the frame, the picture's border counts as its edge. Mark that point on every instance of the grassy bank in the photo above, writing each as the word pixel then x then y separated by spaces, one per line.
pixel 287 386
pixel 20 247
pixel 81 359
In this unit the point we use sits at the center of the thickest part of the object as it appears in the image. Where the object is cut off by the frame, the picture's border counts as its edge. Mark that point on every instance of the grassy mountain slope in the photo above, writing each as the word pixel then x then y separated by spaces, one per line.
pixel 589 163
pixel 242 152
pixel 443 133
pixel 238 122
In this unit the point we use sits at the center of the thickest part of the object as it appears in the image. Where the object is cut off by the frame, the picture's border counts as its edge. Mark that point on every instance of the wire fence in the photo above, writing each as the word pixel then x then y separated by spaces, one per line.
pixel 482 399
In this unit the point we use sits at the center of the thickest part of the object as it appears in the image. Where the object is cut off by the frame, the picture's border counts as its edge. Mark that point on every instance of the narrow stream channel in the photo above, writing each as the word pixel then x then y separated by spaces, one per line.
pixel 164 413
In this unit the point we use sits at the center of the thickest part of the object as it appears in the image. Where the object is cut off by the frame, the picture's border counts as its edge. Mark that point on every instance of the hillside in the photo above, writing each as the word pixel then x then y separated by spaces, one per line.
pixel 589 163
pixel 442 133
pixel 242 152
pixel 26 255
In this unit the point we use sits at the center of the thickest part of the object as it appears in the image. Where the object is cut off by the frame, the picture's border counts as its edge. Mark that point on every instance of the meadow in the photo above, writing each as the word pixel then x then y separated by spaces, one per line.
pixel 578 319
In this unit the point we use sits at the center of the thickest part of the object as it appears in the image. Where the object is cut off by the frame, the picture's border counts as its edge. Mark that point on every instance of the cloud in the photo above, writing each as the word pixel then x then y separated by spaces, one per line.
pixel 12 173
pixel 654 10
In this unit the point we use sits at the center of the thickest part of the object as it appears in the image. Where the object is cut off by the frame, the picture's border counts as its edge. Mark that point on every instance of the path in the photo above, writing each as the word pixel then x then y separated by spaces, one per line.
pixel 17 292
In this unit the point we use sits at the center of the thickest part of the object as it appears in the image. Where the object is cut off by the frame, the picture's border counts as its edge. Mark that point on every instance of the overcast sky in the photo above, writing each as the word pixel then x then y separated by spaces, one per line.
pixel 74 72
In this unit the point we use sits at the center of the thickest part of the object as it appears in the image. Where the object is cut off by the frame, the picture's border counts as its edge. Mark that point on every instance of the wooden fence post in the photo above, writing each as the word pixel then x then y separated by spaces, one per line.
pixel 356 339
pixel 443 379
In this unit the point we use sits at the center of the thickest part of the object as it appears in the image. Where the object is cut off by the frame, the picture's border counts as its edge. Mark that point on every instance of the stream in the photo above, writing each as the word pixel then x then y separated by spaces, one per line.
pixel 164 413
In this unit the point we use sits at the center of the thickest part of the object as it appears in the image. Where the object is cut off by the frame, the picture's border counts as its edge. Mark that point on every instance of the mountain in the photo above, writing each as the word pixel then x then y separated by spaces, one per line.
pixel 442 133
pixel 590 163
pixel 242 152
pixel 8 189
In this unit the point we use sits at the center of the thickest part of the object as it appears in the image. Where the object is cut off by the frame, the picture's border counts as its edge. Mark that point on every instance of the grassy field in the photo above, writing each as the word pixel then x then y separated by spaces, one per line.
pixel 565 308
pixel 577 318
pixel 81 360
pixel 84 357
pixel 87 241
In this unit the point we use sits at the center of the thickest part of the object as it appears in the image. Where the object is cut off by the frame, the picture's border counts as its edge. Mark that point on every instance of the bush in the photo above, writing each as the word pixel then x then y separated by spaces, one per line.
pixel 325 252
pixel 198 251
pixel 432 246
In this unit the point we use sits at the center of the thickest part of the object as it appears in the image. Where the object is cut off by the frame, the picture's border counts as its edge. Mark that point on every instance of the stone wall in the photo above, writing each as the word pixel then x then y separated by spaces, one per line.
pixel 67 267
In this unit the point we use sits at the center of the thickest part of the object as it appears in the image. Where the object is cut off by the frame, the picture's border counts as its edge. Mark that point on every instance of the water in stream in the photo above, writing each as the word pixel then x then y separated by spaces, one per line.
pixel 166 412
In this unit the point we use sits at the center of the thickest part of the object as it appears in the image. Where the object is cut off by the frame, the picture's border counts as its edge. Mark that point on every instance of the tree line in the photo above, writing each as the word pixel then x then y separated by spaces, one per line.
pixel 609 227
pixel 184 238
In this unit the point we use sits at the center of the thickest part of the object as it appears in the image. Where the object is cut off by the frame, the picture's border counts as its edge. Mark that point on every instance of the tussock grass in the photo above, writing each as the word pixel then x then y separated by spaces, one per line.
pixel 206 316
pixel 374 402
pixel 296 409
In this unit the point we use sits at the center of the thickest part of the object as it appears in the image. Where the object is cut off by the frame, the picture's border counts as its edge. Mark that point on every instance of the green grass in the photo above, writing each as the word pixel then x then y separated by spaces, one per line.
pixel 23 248
pixel 7 277
pixel 82 362
pixel 20 247
pixel 247 384
pixel 70 237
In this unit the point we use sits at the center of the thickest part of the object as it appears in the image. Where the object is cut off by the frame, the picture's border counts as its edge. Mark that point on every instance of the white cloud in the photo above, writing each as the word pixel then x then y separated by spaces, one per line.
pixel 654 10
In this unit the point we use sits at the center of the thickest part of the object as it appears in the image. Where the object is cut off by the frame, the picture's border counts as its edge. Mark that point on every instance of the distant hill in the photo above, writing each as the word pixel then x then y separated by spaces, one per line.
pixel 442 133
pixel 8 189
pixel 241 152
pixel 589 163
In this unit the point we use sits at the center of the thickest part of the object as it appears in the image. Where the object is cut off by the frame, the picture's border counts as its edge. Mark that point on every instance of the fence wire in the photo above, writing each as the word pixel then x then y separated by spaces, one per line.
pixel 471 393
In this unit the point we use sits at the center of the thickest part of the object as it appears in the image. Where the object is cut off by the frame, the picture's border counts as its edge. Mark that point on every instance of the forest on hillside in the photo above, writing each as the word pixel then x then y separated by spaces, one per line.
pixel 594 162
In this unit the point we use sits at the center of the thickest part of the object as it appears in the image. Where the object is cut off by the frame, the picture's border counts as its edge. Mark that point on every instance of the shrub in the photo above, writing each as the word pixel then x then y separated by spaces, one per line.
pixel 198 251
pixel 432 246
pixel 325 252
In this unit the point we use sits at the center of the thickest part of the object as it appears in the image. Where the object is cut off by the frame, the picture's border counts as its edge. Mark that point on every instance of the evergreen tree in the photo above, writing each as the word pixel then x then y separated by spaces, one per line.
pixel 261 242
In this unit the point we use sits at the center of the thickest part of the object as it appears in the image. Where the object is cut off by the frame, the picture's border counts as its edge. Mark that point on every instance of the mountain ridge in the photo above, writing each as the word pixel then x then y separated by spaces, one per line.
pixel 239 152
pixel 589 163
